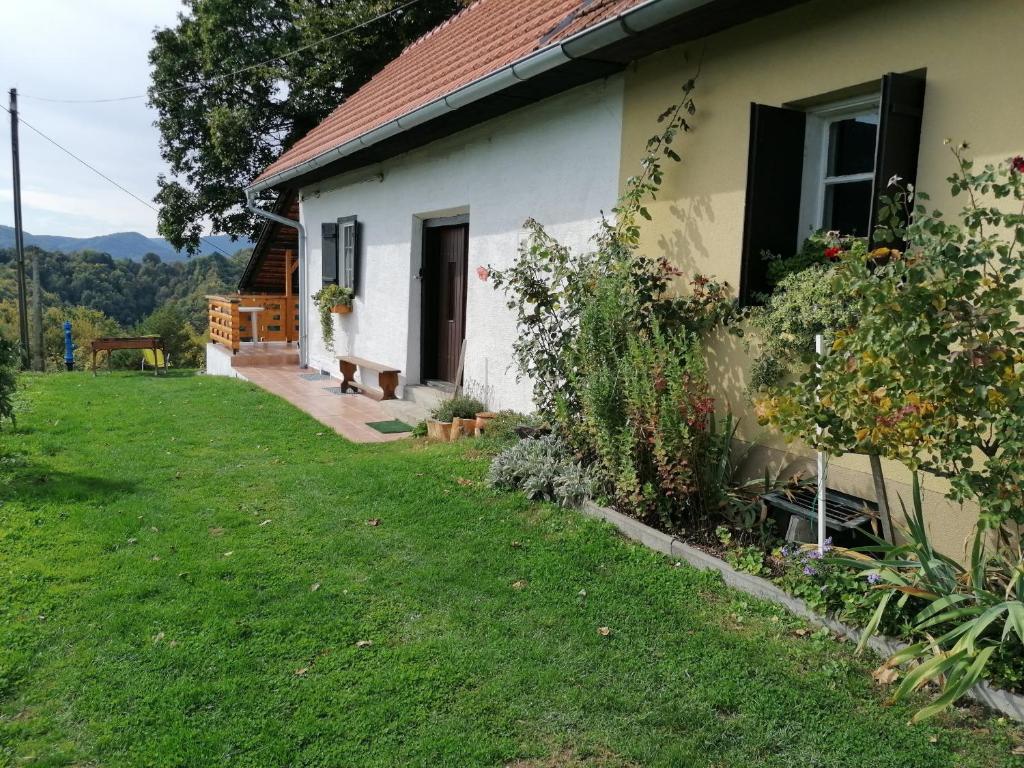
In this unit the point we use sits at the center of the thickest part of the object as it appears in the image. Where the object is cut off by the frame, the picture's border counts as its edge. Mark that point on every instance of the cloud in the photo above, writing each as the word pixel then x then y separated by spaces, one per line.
pixel 50 213
pixel 92 50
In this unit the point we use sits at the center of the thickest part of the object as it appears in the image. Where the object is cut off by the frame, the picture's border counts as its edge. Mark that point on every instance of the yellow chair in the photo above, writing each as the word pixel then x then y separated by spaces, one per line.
pixel 154 358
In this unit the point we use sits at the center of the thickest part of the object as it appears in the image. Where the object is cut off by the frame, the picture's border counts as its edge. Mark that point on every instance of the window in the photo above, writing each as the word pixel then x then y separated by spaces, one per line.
pixel 348 251
pixel 824 167
pixel 839 168
pixel 340 253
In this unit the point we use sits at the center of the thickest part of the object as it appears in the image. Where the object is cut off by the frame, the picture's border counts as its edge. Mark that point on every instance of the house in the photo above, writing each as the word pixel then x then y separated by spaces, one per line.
pixel 541 108
pixel 776 96
pixel 507 111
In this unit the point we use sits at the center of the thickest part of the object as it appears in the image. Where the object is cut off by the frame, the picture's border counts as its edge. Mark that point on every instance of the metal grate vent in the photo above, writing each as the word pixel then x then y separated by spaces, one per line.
pixel 842 511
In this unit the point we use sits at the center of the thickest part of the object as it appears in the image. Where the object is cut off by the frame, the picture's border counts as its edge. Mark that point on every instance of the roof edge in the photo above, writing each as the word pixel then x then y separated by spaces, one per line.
pixel 619 27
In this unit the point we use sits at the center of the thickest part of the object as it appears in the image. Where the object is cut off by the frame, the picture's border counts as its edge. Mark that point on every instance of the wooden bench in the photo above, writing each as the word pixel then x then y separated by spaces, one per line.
pixel 387 377
pixel 111 343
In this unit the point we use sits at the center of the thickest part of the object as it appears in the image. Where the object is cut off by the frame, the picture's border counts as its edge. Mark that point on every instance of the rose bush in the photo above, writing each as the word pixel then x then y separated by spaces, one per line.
pixel 930 373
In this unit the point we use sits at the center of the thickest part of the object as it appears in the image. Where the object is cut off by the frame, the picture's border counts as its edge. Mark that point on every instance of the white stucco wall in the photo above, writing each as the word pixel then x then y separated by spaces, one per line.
pixel 218 362
pixel 557 161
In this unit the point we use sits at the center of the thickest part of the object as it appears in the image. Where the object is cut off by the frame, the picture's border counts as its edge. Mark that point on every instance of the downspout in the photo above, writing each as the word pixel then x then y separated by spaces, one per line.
pixel 250 203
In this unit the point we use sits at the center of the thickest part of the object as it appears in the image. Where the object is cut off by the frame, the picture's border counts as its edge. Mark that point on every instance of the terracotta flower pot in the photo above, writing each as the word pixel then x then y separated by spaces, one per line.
pixel 341 309
pixel 482 420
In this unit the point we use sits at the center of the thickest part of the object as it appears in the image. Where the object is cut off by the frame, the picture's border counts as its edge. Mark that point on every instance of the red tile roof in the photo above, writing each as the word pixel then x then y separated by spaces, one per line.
pixel 482 39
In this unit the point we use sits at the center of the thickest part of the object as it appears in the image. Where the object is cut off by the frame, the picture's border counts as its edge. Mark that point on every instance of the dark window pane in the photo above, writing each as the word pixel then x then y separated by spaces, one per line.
pixel 848 207
pixel 851 146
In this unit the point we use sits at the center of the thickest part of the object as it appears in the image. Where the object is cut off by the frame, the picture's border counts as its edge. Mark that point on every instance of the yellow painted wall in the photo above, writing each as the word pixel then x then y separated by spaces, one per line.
pixel 975 72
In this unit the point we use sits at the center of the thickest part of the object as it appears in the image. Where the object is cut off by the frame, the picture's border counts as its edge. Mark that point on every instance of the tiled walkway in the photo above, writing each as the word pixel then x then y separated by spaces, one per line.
pixel 345 414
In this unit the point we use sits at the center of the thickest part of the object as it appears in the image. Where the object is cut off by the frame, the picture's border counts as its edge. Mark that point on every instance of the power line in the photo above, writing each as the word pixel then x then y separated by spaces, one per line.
pixel 102 175
pixel 225 75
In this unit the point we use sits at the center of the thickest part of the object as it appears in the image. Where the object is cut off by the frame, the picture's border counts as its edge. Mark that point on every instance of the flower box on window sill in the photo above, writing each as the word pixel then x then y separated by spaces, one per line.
pixel 341 309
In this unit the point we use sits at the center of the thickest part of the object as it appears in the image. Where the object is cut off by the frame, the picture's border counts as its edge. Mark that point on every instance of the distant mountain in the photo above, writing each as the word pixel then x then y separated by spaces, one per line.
pixel 121 245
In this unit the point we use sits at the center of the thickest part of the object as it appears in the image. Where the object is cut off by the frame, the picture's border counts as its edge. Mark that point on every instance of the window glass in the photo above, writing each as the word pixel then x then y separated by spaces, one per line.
pixel 851 145
pixel 848 207
pixel 348 251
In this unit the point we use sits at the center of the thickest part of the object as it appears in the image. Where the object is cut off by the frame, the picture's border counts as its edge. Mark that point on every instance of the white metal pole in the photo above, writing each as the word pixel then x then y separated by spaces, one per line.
pixel 819 348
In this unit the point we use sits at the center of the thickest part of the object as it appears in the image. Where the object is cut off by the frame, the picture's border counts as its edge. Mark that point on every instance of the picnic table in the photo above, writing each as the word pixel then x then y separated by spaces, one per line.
pixel 110 343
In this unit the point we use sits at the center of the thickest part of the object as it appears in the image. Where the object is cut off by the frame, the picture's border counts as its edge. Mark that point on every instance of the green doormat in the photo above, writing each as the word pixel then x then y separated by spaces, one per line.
pixel 389 427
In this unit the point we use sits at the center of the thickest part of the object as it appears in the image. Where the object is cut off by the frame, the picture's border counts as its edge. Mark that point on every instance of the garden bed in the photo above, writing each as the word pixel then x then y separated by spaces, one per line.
pixel 1007 703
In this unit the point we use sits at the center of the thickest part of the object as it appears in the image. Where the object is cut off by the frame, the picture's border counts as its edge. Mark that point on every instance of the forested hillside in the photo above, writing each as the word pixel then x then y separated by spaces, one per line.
pixel 101 295
pixel 122 245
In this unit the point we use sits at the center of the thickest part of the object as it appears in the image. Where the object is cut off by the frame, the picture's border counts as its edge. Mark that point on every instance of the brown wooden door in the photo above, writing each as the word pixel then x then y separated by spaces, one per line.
pixel 445 260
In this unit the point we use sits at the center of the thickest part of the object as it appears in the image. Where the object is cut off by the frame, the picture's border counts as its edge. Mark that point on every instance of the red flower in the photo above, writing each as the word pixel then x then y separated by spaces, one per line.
pixel 483 273
pixel 1017 163
pixel 832 254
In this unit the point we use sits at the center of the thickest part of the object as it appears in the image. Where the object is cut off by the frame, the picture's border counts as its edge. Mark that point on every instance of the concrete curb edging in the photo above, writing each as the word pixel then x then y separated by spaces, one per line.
pixel 1009 704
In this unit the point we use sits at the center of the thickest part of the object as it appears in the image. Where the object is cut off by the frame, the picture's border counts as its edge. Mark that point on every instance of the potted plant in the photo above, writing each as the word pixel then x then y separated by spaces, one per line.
pixel 331 300
pixel 450 419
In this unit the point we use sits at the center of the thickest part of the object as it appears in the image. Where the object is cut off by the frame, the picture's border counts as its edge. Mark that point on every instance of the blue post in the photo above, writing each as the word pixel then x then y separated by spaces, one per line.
pixel 69 348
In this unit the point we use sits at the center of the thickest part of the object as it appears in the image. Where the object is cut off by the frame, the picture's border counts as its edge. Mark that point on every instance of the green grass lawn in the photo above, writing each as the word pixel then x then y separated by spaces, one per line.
pixel 189 579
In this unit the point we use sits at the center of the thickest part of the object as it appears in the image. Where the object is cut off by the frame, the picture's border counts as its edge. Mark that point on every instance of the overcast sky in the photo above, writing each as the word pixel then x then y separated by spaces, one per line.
pixel 81 49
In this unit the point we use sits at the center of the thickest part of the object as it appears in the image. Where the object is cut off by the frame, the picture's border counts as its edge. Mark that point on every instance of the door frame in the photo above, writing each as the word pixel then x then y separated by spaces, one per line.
pixel 425 306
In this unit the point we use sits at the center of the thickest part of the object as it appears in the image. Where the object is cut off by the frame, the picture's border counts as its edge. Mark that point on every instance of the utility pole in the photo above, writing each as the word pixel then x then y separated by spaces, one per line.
pixel 38 358
pixel 19 235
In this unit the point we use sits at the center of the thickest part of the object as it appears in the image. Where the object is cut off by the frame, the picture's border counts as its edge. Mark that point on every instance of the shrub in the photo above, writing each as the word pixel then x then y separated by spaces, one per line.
pixel 968 620
pixel 613 348
pixel 460 406
pixel 643 402
pixel 501 430
pixel 823 248
pixel 10 363
pixel 930 374
pixel 830 585
pixel 183 346
pixel 803 304
pixel 542 469
pixel 549 286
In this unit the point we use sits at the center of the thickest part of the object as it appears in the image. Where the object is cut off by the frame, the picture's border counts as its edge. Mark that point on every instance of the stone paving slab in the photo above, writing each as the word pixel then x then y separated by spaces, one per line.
pixel 347 416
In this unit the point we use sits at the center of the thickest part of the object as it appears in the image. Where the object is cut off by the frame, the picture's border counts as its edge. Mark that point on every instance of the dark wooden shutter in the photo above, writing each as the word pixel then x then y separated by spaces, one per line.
pixel 774 180
pixel 899 133
pixel 329 253
pixel 348 253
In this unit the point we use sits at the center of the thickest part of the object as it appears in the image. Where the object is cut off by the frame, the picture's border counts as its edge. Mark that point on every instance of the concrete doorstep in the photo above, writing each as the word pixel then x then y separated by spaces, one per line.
pixel 1009 704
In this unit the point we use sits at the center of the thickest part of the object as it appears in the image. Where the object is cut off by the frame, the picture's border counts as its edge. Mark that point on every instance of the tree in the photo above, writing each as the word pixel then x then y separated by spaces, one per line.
pixel 10 361
pixel 219 132
pixel 180 341
pixel 86 325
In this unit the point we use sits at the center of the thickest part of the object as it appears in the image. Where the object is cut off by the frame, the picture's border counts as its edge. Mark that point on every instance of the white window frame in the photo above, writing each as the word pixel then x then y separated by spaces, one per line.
pixel 816 137
pixel 347 253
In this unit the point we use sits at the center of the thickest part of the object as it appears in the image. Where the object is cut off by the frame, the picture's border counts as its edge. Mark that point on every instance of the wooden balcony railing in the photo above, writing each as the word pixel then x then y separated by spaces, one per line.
pixel 279 320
